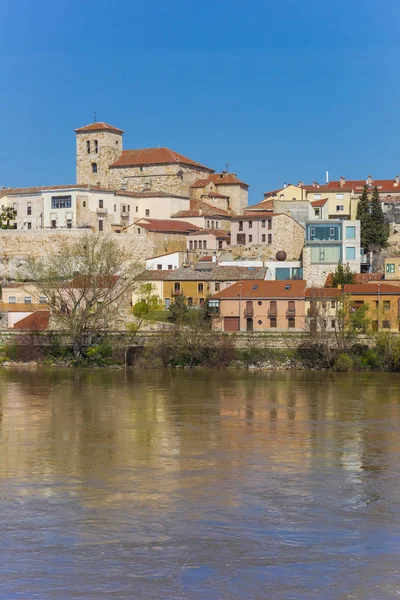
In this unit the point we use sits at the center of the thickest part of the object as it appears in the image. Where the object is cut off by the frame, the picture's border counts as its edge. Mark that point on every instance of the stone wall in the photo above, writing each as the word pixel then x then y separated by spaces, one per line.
pixel 315 274
pixel 109 150
pixel 17 246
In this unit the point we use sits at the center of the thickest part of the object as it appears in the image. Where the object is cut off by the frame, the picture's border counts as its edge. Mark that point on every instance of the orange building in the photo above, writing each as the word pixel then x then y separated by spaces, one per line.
pixel 383 300
pixel 259 306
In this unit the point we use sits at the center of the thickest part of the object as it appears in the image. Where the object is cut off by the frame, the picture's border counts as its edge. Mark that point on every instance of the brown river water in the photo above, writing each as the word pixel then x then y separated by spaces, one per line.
pixel 199 485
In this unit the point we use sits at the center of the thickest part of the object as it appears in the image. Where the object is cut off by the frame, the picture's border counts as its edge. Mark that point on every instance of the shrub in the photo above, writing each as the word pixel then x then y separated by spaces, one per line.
pixel 343 362
pixel 314 355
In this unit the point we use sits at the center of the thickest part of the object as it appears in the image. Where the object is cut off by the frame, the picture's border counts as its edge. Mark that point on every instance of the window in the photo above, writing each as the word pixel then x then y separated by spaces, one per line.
pixel 291 322
pixel 101 203
pixel 386 305
pixel 250 224
pixel 101 225
pixel 69 223
pixel 350 253
pixel 263 223
pixel 240 225
pixel 177 286
pixel 94 167
pixel 201 301
pixel 195 244
pixel 191 245
pixel 12 299
pixel 42 299
pixel 389 267
pixel 217 287
pixel 350 233
pixel 84 204
pixel 115 208
pixel 190 301
pixel 270 238
pixel 138 230
pixel 141 169
pixel 333 304
pixel 333 323
pixel 147 213
pixel 216 224
pixel 263 237
pixel 137 209
pixel 61 202
pixel 129 208
pixel 273 308
pixel 212 224
pixel 29 208
pixel 96 146
pixel 386 324
pixel 272 322
pixel 28 300
pixel 200 288
pixel 241 239
pixel 29 225
pixel 220 244
pixel 204 244
pixel 167 302
pixel 250 239
pixel 88 147
pixel 159 267
pixel 169 267
pixel 325 254
pixel 339 208
pixel 208 224
pixel 269 223
pixel 53 223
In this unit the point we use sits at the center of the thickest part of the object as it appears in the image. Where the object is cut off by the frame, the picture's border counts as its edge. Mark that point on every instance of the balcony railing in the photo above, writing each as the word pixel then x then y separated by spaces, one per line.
pixel 101 211
pixel 291 312
pixel 248 312
pixel 124 213
pixel 272 312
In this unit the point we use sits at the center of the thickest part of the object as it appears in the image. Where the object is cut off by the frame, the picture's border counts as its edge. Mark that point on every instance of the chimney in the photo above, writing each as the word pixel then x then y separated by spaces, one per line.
pixel 214 257
pixel 301 183
pixel 200 212
pixel 369 180
pixel 397 180
pixel 284 185
pixel 342 181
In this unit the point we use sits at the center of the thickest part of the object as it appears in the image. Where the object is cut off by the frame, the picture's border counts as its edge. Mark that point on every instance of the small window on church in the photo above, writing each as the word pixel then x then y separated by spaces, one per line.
pixel 140 168
pixel 101 203
pixel 94 167
pixel 88 146
pixel 96 146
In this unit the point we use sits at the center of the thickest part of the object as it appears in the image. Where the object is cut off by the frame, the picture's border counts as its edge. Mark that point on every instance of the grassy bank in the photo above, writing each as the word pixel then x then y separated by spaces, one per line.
pixel 187 348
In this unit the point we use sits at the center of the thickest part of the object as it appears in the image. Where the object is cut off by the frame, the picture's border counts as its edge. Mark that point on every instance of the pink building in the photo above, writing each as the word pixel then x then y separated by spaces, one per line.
pixel 207 240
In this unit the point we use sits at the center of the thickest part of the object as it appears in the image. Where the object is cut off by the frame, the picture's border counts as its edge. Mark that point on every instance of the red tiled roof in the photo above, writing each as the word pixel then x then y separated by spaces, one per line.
pixel 263 205
pixel 219 179
pixel 264 289
pixel 218 233
pixel 81 281
pixel 358 278
pixel 98 127
pixel 315 292
pixel 357 185
pixel 371 288
pixel 257 215
pixel 273 192
pixel 154 156
pixel 319 202
pixel 166 225
pixel 36 321
pixel 205 258
pixel 207 210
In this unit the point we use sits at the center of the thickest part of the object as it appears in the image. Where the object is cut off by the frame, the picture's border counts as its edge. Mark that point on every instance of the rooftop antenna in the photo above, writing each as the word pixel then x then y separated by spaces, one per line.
pixel 327 177
pixel 95 117
pixel 227 167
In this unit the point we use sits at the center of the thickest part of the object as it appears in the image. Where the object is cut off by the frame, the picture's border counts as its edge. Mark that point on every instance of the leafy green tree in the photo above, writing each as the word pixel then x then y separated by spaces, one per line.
pixel 379 228
pixel 7 214
pixel 364 216
pixel 342 275
pixel 144 311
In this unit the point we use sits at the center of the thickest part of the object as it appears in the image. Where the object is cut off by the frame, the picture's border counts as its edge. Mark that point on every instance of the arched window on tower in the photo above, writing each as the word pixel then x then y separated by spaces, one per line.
pixel 96 146
pixel 88 146
pixel 94 167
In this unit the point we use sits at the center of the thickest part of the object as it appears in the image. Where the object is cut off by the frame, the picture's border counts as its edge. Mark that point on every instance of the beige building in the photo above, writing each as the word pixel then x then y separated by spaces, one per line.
pixel 392 268
pixel 207 241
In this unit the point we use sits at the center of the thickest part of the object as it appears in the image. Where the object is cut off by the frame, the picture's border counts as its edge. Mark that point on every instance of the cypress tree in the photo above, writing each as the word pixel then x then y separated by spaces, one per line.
pixel 364 216
pixel 379 227
pixel 342 275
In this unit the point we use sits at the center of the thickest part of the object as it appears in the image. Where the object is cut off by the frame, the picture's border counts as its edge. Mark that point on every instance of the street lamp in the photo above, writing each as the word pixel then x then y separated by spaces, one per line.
pixel 379 306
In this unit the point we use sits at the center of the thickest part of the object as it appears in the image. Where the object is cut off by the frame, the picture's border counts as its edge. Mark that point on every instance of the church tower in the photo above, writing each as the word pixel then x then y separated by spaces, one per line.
pixel 97 146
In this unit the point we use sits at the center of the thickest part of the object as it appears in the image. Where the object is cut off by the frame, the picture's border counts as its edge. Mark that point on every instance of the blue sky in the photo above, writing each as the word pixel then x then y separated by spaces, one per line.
pixel 281 91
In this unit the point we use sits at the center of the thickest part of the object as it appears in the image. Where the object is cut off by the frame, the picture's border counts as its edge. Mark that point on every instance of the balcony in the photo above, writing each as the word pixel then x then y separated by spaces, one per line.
pixel 272 312
pixel 248 313
pixel 124 214
pixel 101 211
pixel 291 312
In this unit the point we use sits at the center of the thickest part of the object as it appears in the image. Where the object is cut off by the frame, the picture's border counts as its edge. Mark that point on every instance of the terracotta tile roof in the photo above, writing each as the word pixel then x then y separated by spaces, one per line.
pixel 153 275
pixel 371 289
pixel 207 210
pixel 219 179
pixel 154 156
pixel 357 185
pixel 38 189
pixel 257 215
pixel 272 192
pixel 206 259
pixel 81 281
pixel 36 321
pixel 315 292
pixel 319 202
pixel 166 226
pixel 218 233
pixel 155 194
pixel 267 205
pixel 264 289
pixel 101 126
pixel 358 278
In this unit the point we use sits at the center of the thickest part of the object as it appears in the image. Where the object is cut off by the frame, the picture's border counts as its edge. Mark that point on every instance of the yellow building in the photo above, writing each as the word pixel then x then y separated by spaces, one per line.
pixel 392 268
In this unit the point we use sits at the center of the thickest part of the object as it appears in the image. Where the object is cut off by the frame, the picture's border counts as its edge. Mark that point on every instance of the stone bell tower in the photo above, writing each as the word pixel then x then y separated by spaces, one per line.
pixel 97 146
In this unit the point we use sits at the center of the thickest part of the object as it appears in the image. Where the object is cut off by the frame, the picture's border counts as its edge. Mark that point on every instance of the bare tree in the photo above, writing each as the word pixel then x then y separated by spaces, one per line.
pixel 86 284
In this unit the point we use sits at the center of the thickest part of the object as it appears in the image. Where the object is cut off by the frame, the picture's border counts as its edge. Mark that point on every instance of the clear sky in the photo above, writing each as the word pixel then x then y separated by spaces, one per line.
pixel 280 90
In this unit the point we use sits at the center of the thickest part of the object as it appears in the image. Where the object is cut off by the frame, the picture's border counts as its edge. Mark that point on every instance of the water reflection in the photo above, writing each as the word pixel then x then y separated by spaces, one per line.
pixel 203 485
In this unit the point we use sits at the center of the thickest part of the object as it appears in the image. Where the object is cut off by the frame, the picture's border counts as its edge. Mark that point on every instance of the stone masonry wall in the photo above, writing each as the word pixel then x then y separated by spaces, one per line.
pixel 109 150
pixel 315 274
pixel 16 246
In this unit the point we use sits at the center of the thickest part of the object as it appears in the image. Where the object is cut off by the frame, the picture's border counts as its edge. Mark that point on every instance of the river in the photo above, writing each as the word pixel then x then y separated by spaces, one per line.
pixel 217 485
